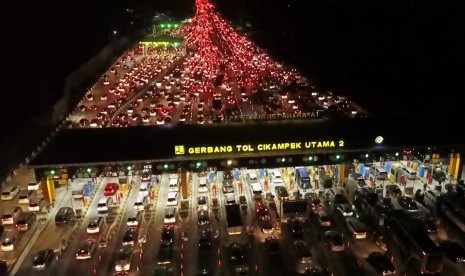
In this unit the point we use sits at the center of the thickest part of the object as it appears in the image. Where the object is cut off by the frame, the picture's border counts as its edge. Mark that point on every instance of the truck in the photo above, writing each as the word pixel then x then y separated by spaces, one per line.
pixel 233 219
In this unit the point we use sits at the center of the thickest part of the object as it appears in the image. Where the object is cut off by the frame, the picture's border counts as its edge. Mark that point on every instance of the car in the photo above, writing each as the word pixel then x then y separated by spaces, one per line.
pixel 123 260
pixel 236 253
pixel 345 209
pixel 228 175
pixel 439 175
pixel 64 215
pixel 323 219
pixel 36 204
pixel 26 195
pixel 25 221
pixel 203 218
pixel 453 251
pixel 431 226
pixel 273 248
pixel 95 224
pixel 316 204
pixel 393 190
pixel 315 271
pixel 266 225
pixel 146 177
pixel 357 228
pixel 130 236
pixel 9 243
pixel 165 253
pixel 333 240
pixel 86 249
pixel 261 209
pixel 281 192
pixel 407 203
pixel 297 228
pixel 230 198
pixel 10 193
pixel 381 263
pixel 170 216
pixel 228 186
pixel 134 219
pixel 276 177
pixel 110 189
pixel 43 259
pixel 167 234
pixel 340 199
pixel 205 240
pixel 203 187
pixel 302 249
pixel 173 183
pixel 33 186
pixel 202 203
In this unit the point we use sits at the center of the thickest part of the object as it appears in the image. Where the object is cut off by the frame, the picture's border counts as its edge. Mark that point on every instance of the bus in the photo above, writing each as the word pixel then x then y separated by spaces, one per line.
pixel 302 179
pixel 411 237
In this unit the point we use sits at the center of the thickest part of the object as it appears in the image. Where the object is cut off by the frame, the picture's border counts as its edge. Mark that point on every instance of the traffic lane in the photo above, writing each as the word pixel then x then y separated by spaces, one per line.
pixel 151 248
pixel 9 232
pixel 38 225
pixel 290 261
pixel 106 258
pixel 67 261
pixel 342 263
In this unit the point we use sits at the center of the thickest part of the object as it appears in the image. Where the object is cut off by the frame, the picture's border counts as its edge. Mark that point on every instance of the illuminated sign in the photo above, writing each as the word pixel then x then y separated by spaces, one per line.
pixel 379 140
pixel 305 115
pixel 181 149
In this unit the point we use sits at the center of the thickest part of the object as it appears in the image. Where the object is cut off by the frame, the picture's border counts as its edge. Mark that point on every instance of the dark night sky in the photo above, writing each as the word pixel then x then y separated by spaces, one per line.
pixel 385 54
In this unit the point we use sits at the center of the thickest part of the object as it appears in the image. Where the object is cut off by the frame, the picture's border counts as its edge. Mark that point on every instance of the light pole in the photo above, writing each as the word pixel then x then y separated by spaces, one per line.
pixel 112 35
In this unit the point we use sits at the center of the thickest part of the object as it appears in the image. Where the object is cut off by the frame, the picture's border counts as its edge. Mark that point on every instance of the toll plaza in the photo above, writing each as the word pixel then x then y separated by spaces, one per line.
pixel 337 148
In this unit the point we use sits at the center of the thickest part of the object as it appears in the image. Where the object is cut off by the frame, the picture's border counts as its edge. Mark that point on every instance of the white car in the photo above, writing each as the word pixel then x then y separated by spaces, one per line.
pixel 33 186
pixel 170 216
pixel 173 185
pixel 133 220
pixel 203 188
pixel 8 244
pixel 95 224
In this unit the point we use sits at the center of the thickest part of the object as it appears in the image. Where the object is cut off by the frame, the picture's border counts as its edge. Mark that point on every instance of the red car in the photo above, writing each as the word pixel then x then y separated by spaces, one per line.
pixel 110 189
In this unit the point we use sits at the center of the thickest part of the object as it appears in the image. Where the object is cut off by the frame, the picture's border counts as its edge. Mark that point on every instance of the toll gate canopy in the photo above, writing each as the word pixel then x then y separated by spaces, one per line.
pixel 263 142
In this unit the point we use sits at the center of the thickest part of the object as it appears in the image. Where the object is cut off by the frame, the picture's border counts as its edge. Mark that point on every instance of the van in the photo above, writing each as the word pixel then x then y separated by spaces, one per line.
pixel 103 204
pixel 141 202
pixel 10 193
pixel 25 221
pixel 11 215
pixel 409 173
pixel 378 172
pixel 26 196
pixel 145 188
pixel 172 199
